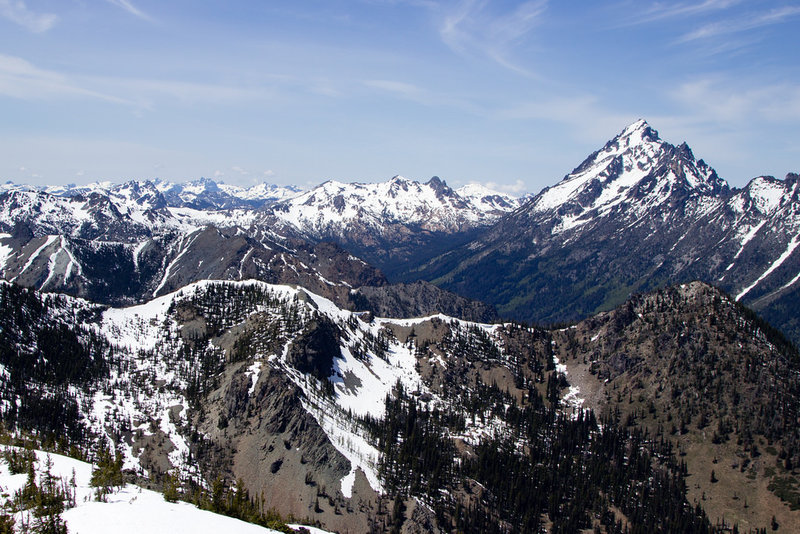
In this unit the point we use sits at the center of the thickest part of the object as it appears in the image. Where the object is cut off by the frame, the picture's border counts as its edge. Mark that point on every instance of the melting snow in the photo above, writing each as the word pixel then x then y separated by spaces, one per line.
pixel 50 240
pixel 254 371
pixel 5 251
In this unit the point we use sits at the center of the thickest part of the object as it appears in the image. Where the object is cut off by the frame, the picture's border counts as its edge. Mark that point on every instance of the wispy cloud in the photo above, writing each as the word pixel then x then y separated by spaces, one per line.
pixel 723 100
pixel 420 95
pixel 132 9
pixel 474 26
pixel 401 89
pixel 667 10
pixel 148 92
pixel 17 12
pixel 21 79
pixel 584 114
pixel 480 27
pixel 750 22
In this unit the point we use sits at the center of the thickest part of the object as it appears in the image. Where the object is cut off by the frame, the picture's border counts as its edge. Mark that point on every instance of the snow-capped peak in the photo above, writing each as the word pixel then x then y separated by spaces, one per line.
pixel 635 166
pixel 638 129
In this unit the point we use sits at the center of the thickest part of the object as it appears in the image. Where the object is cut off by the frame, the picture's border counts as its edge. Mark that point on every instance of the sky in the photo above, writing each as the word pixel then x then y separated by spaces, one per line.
pixel 510 94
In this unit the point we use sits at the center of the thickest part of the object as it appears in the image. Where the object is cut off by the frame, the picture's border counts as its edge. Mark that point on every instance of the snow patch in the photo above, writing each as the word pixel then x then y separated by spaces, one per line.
pixel 777 263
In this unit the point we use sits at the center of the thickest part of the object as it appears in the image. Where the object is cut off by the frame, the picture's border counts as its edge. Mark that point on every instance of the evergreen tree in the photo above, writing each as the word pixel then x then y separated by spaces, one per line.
pixel 49 504
pixel 171 487
pixel 107 475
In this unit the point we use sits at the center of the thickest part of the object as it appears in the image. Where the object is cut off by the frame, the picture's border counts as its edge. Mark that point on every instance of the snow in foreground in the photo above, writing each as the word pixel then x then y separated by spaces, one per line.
pixel 131 510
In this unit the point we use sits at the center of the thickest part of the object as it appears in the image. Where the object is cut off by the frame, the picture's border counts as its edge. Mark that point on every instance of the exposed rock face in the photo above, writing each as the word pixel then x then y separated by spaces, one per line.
pixel 272 444
pixel 420 299
pixel 315 348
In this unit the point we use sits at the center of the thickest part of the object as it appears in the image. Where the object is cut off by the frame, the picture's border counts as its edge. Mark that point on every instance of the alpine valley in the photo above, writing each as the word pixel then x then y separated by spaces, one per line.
pixel 364 358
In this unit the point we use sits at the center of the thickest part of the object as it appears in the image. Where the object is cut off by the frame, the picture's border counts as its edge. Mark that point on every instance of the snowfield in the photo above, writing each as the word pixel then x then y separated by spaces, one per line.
pixel 131 510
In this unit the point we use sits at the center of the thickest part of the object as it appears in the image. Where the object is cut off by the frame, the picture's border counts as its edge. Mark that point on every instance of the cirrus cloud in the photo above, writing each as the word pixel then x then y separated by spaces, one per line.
pixel 17 12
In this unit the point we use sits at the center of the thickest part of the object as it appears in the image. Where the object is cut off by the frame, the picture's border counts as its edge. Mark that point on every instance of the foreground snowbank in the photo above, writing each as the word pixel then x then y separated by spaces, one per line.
pixel 131 510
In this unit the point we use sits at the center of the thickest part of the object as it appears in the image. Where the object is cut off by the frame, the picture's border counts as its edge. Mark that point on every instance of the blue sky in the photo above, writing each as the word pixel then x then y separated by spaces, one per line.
pixel 515 94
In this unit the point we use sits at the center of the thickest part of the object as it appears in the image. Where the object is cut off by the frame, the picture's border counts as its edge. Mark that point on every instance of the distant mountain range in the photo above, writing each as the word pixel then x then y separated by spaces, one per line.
pixel 391 224
pixel 125 243
pixel 202 194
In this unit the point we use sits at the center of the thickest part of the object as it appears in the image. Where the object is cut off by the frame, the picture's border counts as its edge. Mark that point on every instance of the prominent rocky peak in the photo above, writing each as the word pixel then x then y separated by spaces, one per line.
pixel 635 168
pixel 637 133
pixel 440 187
pixel 436 182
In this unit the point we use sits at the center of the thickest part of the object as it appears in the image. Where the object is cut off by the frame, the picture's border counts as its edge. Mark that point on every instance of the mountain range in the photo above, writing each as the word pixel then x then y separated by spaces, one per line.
pixel 335 355
pixel 121 244
pixel 636 215
pixel 361 423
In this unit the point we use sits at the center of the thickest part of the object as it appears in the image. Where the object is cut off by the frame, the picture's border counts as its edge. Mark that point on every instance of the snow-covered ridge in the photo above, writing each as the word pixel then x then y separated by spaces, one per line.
pixel 151 207
pixel 202 193
pixel 765 193
pixel 431 205
pixel 148 338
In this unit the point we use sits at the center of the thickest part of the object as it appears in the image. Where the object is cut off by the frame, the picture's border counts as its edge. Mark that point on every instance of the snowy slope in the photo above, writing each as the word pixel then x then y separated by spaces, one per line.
pixel 131 510
pixel 120 217
pixel 150 327
pixel 766 232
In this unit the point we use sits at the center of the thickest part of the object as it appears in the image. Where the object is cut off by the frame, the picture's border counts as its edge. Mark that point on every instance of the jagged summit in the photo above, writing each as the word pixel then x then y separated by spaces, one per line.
pixel 636 167
pixel 637 132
